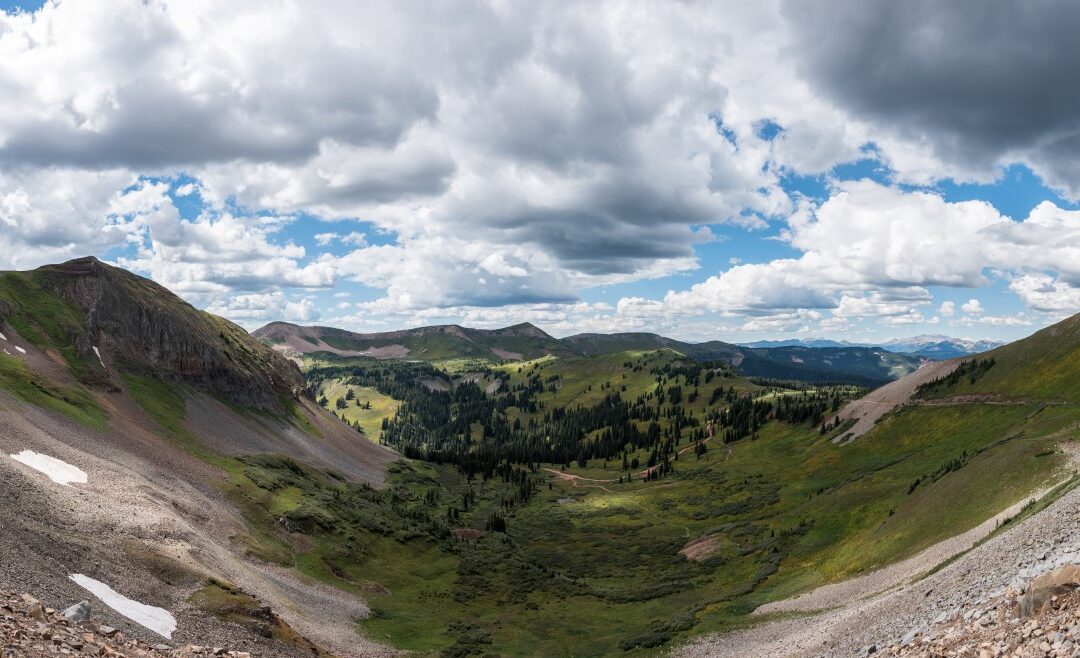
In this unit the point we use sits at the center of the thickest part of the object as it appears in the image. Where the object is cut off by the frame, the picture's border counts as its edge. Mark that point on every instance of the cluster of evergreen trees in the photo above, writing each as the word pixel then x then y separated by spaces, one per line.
pixel 510 432
pixel 970 371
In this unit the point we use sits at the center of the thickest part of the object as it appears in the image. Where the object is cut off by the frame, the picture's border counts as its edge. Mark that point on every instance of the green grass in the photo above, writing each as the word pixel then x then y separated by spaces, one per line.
pixel 42 317
pixel 75 403
pixel 791 510
pixel 228 603
pixel 1044 366
pixel 165 403
pixel 587 380
pixel 370 420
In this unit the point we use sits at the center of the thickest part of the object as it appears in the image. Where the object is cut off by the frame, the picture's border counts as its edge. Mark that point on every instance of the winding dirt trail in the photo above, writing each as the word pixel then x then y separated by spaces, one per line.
pixel 576 480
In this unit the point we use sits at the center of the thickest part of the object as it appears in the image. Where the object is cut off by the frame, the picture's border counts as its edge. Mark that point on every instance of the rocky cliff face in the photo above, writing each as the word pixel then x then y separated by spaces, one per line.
pixel 144 329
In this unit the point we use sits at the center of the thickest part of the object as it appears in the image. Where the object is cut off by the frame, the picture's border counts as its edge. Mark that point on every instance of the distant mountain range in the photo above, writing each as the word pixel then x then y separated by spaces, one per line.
pixel 931 346
pixel 857 364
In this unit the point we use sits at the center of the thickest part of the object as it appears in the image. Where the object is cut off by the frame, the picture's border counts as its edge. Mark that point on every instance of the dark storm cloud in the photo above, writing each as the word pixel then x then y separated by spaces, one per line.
pixel 977 82
pixel 152 125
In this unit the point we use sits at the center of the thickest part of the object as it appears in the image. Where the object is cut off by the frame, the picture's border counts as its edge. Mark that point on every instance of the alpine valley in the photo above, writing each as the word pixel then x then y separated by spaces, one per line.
pixel 454 491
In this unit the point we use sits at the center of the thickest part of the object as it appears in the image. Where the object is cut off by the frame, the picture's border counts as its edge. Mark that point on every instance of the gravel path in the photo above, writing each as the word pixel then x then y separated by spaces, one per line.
pixel 576 480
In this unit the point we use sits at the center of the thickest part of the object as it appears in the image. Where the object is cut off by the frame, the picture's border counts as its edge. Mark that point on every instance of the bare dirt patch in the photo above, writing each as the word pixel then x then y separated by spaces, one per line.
pixel 386 352
pixel 467 533
pixel 701 548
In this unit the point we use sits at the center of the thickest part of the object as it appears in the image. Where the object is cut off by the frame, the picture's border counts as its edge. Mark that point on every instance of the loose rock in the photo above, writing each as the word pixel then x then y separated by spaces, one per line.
pixel 78 613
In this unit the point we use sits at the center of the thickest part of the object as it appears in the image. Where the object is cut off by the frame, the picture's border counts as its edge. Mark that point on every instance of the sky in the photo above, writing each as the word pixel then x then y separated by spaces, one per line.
pixel 849 169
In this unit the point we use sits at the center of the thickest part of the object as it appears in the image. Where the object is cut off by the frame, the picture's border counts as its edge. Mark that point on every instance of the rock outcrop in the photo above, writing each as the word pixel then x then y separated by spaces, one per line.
pixel 29 629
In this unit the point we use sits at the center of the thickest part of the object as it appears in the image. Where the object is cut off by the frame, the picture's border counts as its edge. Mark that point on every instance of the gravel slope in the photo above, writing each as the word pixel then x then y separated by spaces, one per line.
pixel 339 447
pixel 868 409
pixel 149 523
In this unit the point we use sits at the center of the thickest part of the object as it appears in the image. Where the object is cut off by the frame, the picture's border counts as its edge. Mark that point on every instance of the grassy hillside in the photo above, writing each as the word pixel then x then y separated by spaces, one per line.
pixel 1045 367
pixel 855 365
pixel 870 365
pixel 590 563
pixel 360 406
pixel 31 387
pixel 433 344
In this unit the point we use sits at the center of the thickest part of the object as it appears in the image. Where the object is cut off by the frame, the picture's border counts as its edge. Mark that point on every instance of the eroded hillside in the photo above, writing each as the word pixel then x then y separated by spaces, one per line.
pixel 133 430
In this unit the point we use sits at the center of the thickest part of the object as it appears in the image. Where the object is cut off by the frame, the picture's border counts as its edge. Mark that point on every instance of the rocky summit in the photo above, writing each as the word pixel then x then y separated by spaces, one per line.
pixel 84 309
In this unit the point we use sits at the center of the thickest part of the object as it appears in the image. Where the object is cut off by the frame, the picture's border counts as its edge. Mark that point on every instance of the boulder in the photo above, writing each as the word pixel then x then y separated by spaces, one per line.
pixel 1038 594
pixel 78 613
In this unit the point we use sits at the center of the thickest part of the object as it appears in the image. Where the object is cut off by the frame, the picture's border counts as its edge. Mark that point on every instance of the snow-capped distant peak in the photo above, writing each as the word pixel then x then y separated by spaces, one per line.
pixel 940 344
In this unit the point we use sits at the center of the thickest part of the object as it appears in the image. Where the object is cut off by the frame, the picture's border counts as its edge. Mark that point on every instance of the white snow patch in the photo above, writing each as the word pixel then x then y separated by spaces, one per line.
pixel 3 337
pixel 58 471
pixel 20 350
pixel 156 619
pixel 98 353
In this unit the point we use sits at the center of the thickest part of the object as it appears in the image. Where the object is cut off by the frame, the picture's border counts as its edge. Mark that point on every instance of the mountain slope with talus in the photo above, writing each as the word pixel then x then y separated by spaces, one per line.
pixel 968 589
pixel 135 432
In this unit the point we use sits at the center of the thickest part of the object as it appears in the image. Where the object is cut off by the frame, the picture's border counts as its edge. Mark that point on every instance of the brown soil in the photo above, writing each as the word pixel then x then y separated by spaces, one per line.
pixel 467 533
pixel 507 354
pixel 700 549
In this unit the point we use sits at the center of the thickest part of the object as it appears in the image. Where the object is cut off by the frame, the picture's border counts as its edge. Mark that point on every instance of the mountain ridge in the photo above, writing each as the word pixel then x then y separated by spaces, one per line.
pixel 84 306
pixel 862 365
